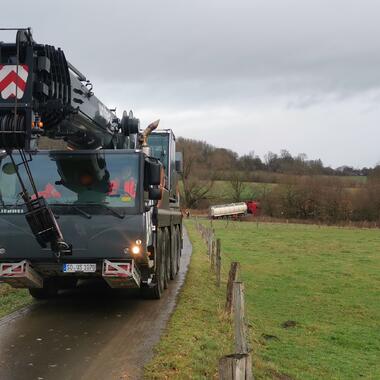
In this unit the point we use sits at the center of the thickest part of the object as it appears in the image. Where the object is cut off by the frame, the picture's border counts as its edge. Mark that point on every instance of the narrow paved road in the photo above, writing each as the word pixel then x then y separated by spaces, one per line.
pixel 87 334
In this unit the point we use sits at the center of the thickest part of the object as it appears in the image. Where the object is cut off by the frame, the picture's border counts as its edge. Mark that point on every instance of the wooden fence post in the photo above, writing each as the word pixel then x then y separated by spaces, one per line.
pixel 232 277
pixel 210 243
pixel 213 244
pixel 241 345
pixel 235 367
pixel 218 263
pixel 212 257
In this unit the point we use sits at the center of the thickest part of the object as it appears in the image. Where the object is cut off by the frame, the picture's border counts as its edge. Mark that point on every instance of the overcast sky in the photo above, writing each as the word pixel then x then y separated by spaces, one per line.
pixel 300 75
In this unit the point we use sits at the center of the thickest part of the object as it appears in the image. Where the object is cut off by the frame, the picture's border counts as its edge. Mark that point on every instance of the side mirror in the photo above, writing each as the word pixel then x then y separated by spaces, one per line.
pixel 178 162
pixel 155 193
pixel 152 174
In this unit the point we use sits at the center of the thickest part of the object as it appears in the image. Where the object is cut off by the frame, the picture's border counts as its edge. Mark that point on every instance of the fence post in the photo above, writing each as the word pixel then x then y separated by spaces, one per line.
pixel 212 257
pixel 218 260
pixel 235 367
pixel 209 243
pixel 232 277
pixel 213 243
pixel 241 345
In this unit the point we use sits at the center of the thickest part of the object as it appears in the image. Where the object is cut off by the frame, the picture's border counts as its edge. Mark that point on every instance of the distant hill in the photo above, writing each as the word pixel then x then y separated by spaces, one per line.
pixel 221 162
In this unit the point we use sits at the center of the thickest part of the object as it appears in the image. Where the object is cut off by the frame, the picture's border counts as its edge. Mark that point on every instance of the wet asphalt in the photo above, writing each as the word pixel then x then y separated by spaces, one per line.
pixel 88 333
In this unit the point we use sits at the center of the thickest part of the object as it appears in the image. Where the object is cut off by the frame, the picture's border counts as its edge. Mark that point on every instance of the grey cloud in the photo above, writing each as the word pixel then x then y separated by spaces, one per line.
pixel 190 61
pixel 328 44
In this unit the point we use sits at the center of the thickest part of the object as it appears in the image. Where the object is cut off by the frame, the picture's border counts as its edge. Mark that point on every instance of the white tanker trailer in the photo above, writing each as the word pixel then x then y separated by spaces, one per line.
pixel 226 210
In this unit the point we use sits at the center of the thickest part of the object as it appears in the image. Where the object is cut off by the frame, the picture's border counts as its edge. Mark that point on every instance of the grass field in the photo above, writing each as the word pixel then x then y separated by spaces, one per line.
pixel 327 281
pixel 313 304
pixel 12 299
pixel 222 190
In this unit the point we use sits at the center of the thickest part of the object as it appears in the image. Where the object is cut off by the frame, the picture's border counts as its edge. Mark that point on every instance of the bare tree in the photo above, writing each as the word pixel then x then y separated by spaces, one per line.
pixel 238 186
pixel 193 189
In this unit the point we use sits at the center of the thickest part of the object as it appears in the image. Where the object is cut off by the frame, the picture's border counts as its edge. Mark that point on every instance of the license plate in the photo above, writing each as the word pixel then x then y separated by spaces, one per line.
pixel 85 268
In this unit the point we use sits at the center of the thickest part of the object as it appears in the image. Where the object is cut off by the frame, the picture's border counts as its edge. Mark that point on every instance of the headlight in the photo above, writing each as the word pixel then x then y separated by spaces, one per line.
pixel 136 249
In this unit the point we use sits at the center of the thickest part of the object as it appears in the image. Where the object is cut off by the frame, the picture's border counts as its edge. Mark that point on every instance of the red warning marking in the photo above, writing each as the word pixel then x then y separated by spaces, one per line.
pixel 13 80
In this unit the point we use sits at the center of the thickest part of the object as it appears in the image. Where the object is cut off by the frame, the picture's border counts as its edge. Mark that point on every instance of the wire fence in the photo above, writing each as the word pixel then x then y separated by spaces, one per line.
pixel 236 366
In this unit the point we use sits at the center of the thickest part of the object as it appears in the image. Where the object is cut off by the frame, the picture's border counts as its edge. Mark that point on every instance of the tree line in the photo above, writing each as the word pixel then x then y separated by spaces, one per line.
pixel 291 186
pixel 221 162
pixel 329 201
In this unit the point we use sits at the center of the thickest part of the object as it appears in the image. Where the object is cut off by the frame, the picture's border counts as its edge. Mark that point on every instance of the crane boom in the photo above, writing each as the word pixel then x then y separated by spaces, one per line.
pixel 41 93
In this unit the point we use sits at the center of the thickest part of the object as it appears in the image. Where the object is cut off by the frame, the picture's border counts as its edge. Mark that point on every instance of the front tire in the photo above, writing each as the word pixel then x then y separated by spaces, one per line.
pixel 173 253
pixel 167 256
pixel 179 249
pixel 155 290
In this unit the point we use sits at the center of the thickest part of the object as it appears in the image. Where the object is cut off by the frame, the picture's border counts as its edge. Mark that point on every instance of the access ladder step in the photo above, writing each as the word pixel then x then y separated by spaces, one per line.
pixel 20 275
pixel 121 274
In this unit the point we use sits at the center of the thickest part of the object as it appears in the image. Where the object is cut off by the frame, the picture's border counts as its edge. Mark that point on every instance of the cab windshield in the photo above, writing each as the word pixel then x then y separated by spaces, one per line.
pixel 159 144
pixel 75 178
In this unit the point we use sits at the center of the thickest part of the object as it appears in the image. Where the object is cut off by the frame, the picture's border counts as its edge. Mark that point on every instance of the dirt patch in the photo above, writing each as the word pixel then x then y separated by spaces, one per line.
pixel 278 375
pixel 289 324
pixel 270 337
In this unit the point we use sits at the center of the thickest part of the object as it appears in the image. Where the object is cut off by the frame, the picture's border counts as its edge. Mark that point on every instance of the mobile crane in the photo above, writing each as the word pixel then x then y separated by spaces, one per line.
pixel 105 206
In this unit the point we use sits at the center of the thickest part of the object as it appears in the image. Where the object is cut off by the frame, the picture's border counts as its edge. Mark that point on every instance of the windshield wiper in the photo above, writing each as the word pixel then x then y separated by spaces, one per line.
pixel 75 207
pixel 111 210
pixel 88 216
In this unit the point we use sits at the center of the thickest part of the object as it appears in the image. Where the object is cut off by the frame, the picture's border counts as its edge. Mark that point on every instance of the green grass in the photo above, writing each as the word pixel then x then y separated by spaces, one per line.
pixel 325 279
pixel 198 333
pixel 12 299
pixel 222 190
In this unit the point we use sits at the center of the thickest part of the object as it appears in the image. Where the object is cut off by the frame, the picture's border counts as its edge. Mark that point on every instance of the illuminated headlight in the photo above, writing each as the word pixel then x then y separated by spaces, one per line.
pixel 136 249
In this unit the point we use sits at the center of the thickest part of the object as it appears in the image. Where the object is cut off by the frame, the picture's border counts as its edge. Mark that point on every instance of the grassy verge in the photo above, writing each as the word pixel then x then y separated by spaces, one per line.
pixel 198 333
pixel 12 299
